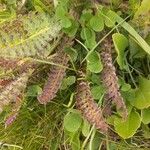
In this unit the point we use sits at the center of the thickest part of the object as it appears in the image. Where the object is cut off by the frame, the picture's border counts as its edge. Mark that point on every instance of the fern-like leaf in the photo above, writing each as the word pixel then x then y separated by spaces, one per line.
pixel 110 79
pixel 56 74
pixel 28 35
pixel 90 110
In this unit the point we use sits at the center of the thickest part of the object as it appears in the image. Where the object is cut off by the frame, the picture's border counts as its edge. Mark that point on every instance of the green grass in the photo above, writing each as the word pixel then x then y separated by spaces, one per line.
pixel 37 127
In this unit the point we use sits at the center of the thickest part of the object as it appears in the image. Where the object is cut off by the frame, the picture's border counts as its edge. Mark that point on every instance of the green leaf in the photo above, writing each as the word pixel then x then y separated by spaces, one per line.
pixel 146 131
pixel 33 90
pixel 71 31
pixel 128 128
pixel 134 5
pixel 72 122
pixel 94 63
pixel 90 43
pixel 121 43
pixel 60 12
pixel 97 23
pixel 110 119
pixel 72 53
pixel 65 22
pixel 145 116
pixel 88 35
pixel 86 128
pixel 67 82
pixel 145 7
pixel 75 142
pixel 40 31
pixel 131 30
pixel 109 19
pixel 71 80
pixel 135 50
pixel 38 9
pixel 124 86
pixel 97 92
pixel 40 5
pixel 95 142
pixel 86 16
pixel 95 79
pixel 142 94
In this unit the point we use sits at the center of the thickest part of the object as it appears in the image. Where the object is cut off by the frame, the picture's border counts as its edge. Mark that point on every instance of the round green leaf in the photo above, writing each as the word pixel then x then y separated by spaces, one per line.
pixel 120 43
pixel 67 82
pixel 65 22
pixel 94 63
pixel 71 31
pixel 90 43
pixel 146 116
pixel 86 16
pixel 72 122
pixel 97 23
pixel 109 19
pixel 33 90
pixel 127 128
pixel 142 94
pixel 86 33
pixel 60 12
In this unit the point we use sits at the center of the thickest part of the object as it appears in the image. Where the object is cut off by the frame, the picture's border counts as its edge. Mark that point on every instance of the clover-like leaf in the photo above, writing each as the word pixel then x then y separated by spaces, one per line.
pixel 33 90
pixel 97 23
pixel 67 82
pixel 65 22
pixel 141 99
pixel 109 19
pixel 127 128
pixel 60 12
pixel 71 30
pixel 72 122
pixel 120 42
pixel 94 63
